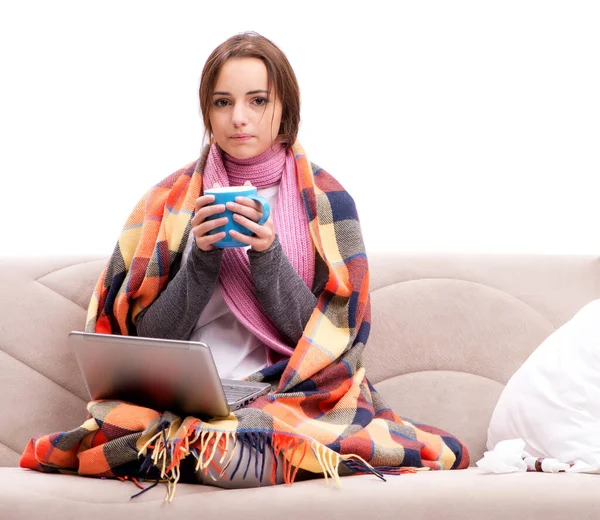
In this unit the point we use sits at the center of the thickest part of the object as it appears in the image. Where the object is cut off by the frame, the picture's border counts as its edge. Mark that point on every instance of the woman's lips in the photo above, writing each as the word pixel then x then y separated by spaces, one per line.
pixel 241 137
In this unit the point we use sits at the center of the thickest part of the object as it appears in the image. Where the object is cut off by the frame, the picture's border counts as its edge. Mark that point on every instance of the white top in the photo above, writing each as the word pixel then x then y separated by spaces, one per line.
pixel 237 352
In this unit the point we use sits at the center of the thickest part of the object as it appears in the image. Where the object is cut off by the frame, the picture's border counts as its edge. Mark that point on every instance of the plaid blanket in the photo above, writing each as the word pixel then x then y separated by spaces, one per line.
pixel 322 415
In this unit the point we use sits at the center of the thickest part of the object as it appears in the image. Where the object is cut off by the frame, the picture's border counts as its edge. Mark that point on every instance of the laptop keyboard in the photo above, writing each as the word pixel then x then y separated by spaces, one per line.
pixel 235 393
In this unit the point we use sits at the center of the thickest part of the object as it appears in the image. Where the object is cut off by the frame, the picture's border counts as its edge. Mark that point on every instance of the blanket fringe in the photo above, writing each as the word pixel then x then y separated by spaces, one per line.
pixel 204 445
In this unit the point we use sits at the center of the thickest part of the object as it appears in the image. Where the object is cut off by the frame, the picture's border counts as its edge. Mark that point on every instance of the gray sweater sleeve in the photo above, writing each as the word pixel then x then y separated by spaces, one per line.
pixel 282 293
pixel 176 310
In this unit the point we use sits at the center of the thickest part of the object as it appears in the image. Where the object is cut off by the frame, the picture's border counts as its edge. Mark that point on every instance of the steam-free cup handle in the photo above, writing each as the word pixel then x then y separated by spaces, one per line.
pixel 266 208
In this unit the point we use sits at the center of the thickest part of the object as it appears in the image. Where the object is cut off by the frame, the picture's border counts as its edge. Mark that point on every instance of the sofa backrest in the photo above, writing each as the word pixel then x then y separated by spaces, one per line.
pixel 447 333
pixel 449 330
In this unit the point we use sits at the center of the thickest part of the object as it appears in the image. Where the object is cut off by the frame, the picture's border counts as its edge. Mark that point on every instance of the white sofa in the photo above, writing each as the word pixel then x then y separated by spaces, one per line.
pixel 448 332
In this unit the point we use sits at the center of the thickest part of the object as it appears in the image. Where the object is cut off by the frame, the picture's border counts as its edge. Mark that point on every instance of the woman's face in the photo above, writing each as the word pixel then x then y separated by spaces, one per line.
pixel 245 119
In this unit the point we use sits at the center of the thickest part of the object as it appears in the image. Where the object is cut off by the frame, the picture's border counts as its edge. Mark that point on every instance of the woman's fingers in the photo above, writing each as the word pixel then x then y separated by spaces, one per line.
pixel 247 207
pixel 209 225
pixel 210 239
pixel 201 226
pixel 257 243
pixel 206 211
pixel 251 203
pixel 202 201
pixel 263 235
pixel 206 242
pixel 258 230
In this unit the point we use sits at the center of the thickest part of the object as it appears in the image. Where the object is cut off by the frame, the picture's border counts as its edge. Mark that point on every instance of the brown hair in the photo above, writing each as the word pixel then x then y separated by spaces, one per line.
pixel 280 75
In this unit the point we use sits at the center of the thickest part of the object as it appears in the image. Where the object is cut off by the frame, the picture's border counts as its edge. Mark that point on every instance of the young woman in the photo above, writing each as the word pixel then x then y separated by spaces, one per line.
pixel 250 102
pixel 292 308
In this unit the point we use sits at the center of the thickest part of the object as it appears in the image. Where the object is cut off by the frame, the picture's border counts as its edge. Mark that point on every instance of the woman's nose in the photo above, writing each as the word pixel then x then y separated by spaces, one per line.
pixel 239 115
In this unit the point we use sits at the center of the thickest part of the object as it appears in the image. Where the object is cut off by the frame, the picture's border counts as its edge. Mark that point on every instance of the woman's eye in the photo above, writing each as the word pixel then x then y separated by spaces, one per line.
pixel 221 102
pixel 260 101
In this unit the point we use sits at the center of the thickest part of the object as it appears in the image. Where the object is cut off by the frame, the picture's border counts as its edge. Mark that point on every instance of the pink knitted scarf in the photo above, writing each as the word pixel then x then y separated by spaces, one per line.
pixel 274 166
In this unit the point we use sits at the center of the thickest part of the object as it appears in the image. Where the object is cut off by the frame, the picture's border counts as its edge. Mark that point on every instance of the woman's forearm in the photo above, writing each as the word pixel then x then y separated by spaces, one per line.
pixel 282 293
pixel 175 312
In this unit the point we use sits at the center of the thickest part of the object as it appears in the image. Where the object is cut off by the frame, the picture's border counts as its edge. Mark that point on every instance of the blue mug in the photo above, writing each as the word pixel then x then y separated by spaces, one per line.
pixel 226 194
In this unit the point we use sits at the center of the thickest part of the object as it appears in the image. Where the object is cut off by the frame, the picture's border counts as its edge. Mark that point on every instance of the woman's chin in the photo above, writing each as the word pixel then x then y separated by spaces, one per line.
pixel 241 154
pixel 242 150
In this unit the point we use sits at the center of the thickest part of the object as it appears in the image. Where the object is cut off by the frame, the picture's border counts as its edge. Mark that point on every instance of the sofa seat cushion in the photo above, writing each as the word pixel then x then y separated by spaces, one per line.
pixel 467 494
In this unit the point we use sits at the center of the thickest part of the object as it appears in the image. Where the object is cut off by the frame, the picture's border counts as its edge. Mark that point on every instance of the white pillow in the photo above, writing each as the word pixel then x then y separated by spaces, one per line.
pixel 553 401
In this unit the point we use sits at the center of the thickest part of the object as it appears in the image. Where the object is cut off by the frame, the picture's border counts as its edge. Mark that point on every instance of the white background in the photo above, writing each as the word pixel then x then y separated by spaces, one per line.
pixel 456 126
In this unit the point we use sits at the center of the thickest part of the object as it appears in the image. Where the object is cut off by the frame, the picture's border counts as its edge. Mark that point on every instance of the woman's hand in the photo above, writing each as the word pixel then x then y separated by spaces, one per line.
pixel 248 212
pixel 201 226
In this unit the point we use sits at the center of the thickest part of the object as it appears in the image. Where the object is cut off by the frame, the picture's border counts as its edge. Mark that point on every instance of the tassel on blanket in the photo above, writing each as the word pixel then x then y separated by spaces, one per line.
pixel 211 443
pixel 251 441
pixel 166 453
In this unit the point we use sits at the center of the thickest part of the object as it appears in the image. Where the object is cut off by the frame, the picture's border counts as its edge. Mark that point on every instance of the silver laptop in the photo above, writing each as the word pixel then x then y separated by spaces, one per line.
pixel 162 374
